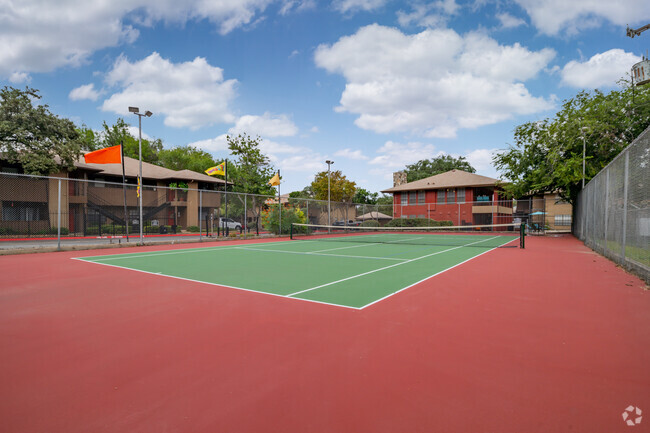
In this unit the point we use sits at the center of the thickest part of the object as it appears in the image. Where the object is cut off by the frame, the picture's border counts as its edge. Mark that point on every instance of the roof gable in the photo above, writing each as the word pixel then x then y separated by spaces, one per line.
pixel 449 179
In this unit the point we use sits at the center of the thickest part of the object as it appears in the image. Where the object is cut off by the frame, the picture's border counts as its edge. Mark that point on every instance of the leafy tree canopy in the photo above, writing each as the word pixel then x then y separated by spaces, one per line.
pixel 440 164
pixel 305 193
pixel 363 196
pixel 40 141
pixel 547 155
pixel 341 189
pixel 251 170
pixel 119 133
pixel 186 158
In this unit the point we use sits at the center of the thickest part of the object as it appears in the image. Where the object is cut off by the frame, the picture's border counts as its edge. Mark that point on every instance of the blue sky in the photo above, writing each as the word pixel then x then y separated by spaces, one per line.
pixel 371 84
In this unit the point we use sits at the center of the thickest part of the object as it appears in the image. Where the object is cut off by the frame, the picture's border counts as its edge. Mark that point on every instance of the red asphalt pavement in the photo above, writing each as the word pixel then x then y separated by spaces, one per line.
pixel 553 338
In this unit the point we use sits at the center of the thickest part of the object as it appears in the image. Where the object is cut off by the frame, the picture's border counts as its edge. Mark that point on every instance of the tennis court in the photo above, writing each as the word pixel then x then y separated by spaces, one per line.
pixel 351 268
pixel 498 342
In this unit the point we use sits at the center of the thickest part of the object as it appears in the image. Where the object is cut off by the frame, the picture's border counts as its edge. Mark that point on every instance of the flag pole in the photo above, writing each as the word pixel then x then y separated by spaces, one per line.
pixel 279 203
pixel 126 218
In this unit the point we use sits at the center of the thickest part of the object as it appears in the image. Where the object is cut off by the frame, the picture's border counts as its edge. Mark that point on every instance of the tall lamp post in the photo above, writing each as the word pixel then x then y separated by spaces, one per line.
pixel 329 220
pixel 136 111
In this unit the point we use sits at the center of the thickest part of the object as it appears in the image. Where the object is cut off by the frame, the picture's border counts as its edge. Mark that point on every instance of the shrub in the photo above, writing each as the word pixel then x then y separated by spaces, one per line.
pixel 290 215
pixel 370 223
pixel 4 231
pixel 417 222
pixel 193 229
pixel 54 231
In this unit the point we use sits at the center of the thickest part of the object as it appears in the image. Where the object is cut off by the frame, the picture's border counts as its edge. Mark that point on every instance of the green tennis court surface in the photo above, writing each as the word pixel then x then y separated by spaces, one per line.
pixel 341 272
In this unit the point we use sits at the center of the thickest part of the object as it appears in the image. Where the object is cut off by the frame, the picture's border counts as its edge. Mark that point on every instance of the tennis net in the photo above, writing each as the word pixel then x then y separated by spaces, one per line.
pixel 480 236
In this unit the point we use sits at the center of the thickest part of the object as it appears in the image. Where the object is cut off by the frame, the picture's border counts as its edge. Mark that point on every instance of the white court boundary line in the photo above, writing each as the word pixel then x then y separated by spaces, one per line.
pixel 392 266
pixel 290 296
pixel 167 252
pixel 316 253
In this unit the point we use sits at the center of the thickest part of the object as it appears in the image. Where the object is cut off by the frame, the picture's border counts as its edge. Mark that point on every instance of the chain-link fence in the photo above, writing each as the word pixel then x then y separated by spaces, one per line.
pixel 612 214
pixel 34 207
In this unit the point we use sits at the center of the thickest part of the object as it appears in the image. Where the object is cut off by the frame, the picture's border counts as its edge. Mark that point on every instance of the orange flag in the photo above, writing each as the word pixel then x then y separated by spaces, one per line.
pixel 108 155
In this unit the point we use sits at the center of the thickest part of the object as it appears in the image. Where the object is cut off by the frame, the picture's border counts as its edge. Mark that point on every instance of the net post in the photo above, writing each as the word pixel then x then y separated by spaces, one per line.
pixel 291 232
pixel 522 235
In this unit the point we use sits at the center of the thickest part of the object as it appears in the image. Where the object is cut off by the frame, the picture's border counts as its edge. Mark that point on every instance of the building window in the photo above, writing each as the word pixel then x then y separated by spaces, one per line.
pixel 461 195
pixel 451 195
pixel 413 197
pixel 23 211
pixel 441 196
pixel 405 199
pixel 562 220
pixel 421 196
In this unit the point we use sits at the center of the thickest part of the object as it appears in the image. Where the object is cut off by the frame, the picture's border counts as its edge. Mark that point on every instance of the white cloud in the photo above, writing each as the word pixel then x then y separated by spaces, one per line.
pixel 351 154
pixel 213 145
pixel 395 155
pixel 345 6
pixel 87 91
pixel 509 21
pixel 434 82
pixel 267 125
pixel 19 77
pixel 553 16
pixel 602 69
pixel 190 94
pixel 434 14
pixel 481 160
pixel 45 35
pixel 135 133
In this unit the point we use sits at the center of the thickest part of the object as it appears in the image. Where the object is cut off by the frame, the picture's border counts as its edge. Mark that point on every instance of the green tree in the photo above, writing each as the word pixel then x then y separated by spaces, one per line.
pixel 186 158
pixel 363 196
pixel 251 170
pixel 40 141
pixel 341 189
pixel 90 140
pixel 440 164
pixel 305 193
pixel 547 155
pixel 119 133
pixel 385 204
pixel 290 215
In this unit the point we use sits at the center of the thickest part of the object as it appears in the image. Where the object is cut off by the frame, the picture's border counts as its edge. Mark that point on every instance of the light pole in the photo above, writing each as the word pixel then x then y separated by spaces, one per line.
pixel 136 111
pixel 329 220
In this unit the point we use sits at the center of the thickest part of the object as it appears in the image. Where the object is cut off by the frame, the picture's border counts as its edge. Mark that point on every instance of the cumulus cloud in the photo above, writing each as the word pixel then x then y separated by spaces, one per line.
pixel 189 94
pixel 45 35
pixel 87 91
pixel 602 69
pixel 434 82
pixel 345 6
pixel 554 16
pixel 19 77
pixel 481 160
pixel 351 154
pixel 267 125
pixel 212 145
pixel 509 21
pixel 394 155
pixel 434 14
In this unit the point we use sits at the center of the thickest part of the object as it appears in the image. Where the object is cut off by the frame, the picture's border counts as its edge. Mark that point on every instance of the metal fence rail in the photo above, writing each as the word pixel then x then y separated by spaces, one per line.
pixel 40 207
pixel 612 213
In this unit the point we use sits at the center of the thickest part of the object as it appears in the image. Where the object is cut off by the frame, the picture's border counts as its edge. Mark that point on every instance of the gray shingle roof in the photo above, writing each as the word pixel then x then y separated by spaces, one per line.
pixel 449 179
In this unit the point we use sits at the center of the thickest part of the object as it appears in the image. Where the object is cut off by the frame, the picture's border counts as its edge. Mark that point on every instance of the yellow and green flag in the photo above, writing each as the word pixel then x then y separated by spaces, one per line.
pixel 217 169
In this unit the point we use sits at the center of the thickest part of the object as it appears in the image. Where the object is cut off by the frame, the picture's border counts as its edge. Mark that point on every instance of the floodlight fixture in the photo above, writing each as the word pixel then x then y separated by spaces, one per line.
pixel 135 110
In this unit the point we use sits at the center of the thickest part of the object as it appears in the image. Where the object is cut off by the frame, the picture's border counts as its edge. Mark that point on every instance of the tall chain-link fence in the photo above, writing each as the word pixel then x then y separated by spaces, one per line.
pixel 612 214
pixel 37 207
